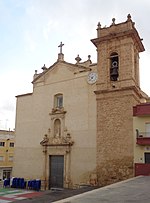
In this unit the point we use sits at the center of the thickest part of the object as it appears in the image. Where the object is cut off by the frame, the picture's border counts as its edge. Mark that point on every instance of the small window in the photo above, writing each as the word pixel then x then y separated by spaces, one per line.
pixel 11 158
pixel 1 158
pixel 147 129
pixel 6 174
pixel 114 66
pixel 11 144
pixel 58 103
pixel 2 144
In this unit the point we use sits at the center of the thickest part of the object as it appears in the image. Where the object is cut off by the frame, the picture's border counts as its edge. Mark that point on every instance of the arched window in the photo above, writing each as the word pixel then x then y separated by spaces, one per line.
pixel 114 66
pixel 58 101
pixel 57 128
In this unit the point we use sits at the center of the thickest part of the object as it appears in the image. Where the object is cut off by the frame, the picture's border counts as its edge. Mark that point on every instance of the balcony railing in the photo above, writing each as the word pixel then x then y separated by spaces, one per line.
pixel 142 138
pixel 142 169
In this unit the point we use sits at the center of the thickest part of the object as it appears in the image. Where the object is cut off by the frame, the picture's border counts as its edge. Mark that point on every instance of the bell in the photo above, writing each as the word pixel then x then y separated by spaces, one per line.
pixel 114 74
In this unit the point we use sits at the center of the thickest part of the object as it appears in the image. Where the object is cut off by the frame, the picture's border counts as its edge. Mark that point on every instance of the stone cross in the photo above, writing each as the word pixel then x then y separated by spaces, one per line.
pixel 61 45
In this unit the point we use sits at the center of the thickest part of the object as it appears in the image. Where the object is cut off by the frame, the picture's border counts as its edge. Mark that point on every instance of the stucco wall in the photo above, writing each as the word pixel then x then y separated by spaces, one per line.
pixel 33 120
pixel 139 123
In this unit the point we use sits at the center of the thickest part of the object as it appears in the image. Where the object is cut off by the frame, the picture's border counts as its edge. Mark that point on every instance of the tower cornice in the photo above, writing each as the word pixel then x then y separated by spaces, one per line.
pixel 113 35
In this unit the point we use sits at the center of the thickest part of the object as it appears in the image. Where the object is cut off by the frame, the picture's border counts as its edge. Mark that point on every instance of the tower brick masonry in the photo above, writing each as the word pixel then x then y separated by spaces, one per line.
pixel 118 90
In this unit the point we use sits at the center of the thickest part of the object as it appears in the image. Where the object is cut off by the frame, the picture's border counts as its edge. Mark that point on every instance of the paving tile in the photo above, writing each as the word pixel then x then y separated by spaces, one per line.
pixel 11 195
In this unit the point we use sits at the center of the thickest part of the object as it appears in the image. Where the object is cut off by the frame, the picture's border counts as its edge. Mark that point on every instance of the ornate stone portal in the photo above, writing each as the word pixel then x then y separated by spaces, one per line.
pixel 57 141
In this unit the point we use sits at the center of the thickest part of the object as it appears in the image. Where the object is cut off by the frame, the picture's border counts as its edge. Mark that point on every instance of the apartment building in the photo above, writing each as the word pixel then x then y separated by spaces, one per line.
pixel 7 144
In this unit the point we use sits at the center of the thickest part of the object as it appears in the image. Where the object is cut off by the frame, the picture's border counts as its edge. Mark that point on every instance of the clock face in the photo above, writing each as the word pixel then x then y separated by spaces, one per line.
pixel 92 77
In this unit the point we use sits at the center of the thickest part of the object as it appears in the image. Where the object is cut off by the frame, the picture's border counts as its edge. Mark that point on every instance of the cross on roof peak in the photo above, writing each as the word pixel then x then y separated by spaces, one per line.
pixel 61 45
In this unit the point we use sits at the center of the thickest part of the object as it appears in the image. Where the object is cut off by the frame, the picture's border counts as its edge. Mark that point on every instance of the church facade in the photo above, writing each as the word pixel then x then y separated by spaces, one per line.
pixel 76 127
pixel 56 125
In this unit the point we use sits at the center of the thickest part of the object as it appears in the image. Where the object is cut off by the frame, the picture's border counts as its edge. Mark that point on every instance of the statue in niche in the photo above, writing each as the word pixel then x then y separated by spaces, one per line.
pixel 57 128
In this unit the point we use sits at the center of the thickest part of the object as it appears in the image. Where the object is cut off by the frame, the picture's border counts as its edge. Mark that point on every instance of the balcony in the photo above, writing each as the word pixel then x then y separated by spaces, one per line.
pixel 142 138
pixel 141 109
pixel 142 169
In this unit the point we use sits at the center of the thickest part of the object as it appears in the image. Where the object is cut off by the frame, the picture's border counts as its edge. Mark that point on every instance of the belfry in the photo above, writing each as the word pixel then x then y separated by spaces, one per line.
pixel 118 90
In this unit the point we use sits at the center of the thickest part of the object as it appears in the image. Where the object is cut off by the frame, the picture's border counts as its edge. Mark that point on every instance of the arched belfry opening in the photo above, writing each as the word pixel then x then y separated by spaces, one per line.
pixel 114 66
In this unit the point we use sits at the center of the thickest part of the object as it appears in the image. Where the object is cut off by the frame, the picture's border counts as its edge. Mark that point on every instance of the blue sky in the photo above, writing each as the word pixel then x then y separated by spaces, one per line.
pixel 31 30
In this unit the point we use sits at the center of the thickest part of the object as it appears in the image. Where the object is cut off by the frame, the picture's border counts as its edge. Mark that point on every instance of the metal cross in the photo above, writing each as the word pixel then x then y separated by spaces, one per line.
pixel 61 45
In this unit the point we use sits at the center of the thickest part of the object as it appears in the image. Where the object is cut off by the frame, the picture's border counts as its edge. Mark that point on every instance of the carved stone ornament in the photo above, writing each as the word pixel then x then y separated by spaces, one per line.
pixel 57 111
pixel 60 141
pixel 45 140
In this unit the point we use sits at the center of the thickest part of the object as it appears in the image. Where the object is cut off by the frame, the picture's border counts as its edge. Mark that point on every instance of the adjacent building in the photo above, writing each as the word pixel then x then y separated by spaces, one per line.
pixel 141 113
pixel 7 143
pixel 76 127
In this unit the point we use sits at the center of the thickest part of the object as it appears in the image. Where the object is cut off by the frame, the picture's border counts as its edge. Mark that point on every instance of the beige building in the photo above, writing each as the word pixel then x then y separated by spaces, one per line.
pixel 62 110
pixel 77 125
pixel 7 143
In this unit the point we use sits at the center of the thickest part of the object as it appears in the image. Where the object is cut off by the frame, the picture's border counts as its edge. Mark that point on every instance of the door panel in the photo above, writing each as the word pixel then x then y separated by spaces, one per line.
pixel 147 158
pixel 56 166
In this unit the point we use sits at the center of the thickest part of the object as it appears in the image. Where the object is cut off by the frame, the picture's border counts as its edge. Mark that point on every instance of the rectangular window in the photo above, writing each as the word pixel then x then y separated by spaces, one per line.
pixel 11 144
pixel 58 101
pixel 1 158
pixel 147 129
pixel 2 144
pixel 6 174
pixel 11 158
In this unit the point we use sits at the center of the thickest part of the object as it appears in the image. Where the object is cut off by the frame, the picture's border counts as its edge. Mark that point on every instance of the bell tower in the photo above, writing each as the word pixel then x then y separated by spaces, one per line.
pixel 118 90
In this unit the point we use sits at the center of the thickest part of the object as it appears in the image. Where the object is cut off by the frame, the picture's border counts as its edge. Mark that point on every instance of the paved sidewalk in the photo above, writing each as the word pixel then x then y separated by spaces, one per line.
pixel 13 195
pixel 50 196
pixel 135 190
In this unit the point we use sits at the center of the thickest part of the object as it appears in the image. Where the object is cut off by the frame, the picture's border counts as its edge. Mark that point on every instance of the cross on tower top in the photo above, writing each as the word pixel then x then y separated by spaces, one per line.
pixel 61 45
